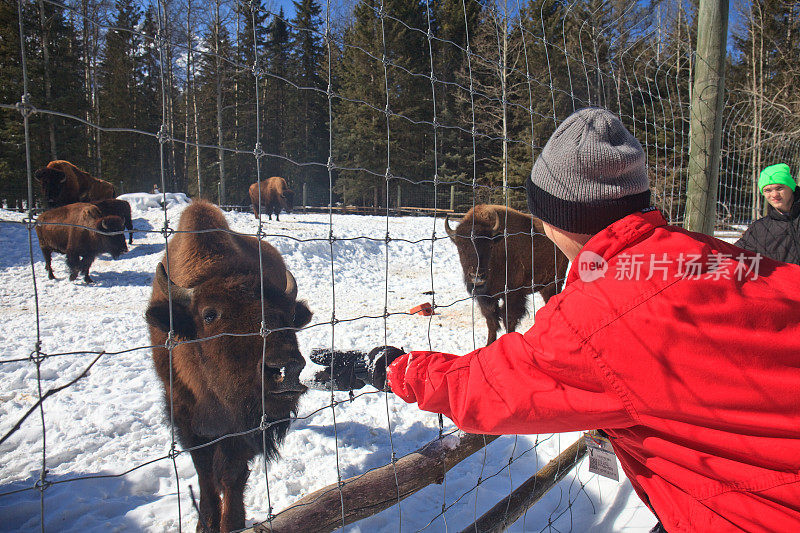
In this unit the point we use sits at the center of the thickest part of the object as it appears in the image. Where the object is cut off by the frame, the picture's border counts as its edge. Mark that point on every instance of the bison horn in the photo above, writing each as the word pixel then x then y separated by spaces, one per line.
pixel 180 295
pixel 450 231
pixel 496 226
pixel 291 285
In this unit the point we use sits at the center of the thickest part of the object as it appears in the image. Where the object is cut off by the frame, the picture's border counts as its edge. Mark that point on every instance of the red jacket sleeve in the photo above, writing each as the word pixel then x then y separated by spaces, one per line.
pixel 542 382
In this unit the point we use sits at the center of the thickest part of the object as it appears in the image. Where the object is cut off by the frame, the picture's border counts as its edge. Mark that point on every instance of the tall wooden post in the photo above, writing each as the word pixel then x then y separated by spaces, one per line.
pixel 305 197
pixel 706 116
pixel 452 197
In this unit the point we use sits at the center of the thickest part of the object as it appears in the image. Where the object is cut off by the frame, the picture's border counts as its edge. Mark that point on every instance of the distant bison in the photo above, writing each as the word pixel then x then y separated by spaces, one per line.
pixel 216 386
pixel 275 196
pixel 80 240
pixel 534 263
pixel 122 209
pixel 63 183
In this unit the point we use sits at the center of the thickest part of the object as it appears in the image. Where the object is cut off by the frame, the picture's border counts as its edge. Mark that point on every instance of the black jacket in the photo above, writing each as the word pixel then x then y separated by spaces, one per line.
pixel 776 235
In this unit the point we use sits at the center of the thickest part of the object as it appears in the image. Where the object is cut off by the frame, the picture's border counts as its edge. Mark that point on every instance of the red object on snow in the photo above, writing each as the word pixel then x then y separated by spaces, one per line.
pixel 422 309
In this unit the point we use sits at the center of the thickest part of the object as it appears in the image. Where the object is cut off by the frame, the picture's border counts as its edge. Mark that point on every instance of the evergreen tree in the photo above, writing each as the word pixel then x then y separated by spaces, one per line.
pixel 309 121
pixel 276 96
pixel 45 26
pixel 119 95
pixel 455 30
pixel 215 95
pixel 361 130
pixel 252 35
pixel 148 105
pixel 13 178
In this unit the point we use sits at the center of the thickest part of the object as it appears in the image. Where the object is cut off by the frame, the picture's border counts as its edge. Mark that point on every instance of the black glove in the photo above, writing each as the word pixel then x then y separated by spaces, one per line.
pixel 380 358
pixel 352 369
pixel 349 367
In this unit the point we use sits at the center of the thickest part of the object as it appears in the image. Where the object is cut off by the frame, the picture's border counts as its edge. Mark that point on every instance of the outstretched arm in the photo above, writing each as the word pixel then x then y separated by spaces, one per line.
pixel 544 381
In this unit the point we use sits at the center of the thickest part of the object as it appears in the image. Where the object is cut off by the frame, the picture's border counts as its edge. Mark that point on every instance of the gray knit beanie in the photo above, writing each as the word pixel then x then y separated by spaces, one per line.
pixel 591 172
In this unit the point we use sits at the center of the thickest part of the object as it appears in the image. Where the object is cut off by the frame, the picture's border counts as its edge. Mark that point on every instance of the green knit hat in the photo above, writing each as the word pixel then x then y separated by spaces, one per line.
pixel 779 174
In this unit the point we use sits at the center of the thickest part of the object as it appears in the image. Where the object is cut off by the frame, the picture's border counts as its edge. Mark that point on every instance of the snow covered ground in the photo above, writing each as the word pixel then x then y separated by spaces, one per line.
pixel 109 428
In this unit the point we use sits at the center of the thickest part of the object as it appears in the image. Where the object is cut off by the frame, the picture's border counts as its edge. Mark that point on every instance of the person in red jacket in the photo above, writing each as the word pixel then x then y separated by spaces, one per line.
pixel 683 349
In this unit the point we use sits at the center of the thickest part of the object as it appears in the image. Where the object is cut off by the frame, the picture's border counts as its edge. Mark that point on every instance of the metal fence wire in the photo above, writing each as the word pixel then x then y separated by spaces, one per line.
pixel 555 66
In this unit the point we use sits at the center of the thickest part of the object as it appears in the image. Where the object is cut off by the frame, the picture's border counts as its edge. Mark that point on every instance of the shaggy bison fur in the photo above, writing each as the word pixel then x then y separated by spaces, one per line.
pixel 63 183
pixel 232 390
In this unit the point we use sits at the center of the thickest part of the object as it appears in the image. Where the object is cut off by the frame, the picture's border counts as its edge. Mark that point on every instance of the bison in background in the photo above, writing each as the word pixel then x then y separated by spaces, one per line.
pixel 120 208
pixel 80 244
pixel 533 263
pixel 63 183
pixel 275 196
pixel 217 384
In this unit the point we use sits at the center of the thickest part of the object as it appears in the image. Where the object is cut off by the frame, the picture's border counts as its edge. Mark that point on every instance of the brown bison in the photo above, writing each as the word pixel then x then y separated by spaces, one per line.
pixel 231 390
pixel 275 195
pixel 122 209
pixel 87 234
pixel 532 264
pixel 63 183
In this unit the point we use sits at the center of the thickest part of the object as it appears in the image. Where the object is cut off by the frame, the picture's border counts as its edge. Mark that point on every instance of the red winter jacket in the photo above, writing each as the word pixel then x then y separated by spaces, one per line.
pixel 691 365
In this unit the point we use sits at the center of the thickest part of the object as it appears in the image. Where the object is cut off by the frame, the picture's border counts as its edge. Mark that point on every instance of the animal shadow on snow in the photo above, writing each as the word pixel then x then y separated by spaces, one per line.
pixel 313 222
pixel 356 435
pixel 140 224
pixel 112 278
pixel 140 250
pixel 75 506
pixel 14 246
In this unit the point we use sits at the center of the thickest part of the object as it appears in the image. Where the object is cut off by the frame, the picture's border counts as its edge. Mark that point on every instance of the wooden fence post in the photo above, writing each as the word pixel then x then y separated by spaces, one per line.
pixel 708 95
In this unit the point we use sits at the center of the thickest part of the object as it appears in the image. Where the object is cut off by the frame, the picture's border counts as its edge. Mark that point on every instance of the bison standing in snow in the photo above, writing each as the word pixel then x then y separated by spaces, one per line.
pixel 274 195
pixel 218 384
pixel 63 183
pixel 532 262
pixel 82 232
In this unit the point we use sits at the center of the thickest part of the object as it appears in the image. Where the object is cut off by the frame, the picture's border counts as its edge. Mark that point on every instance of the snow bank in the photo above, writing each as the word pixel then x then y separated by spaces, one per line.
pixel 143 201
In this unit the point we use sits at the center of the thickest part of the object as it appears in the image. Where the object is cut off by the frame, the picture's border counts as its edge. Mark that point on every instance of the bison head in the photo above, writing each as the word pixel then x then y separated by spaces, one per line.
pixel 52 182
pixel 474 239
pixel 287 199
pixel 229 355
pixel 112 236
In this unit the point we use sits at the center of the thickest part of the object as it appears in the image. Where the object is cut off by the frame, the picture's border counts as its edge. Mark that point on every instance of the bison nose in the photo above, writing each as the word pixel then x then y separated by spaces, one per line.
pixel 475 278
pixel 287 376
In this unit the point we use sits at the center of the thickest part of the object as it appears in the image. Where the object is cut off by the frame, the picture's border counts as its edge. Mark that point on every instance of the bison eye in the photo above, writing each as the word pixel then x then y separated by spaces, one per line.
pixel 209 315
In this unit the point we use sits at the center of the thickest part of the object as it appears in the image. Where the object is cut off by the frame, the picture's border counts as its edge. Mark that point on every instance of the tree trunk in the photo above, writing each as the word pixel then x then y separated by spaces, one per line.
pixel 218 64
pixel 48 90
pixel 87 81
pixel 187 89
pixel 96 100
pixel 197 142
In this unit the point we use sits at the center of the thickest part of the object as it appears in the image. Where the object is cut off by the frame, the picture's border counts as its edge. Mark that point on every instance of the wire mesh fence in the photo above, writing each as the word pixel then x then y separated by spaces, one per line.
pixel 392 109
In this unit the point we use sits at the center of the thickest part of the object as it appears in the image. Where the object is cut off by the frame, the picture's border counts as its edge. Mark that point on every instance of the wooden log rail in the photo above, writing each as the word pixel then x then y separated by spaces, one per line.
pixel 370 493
